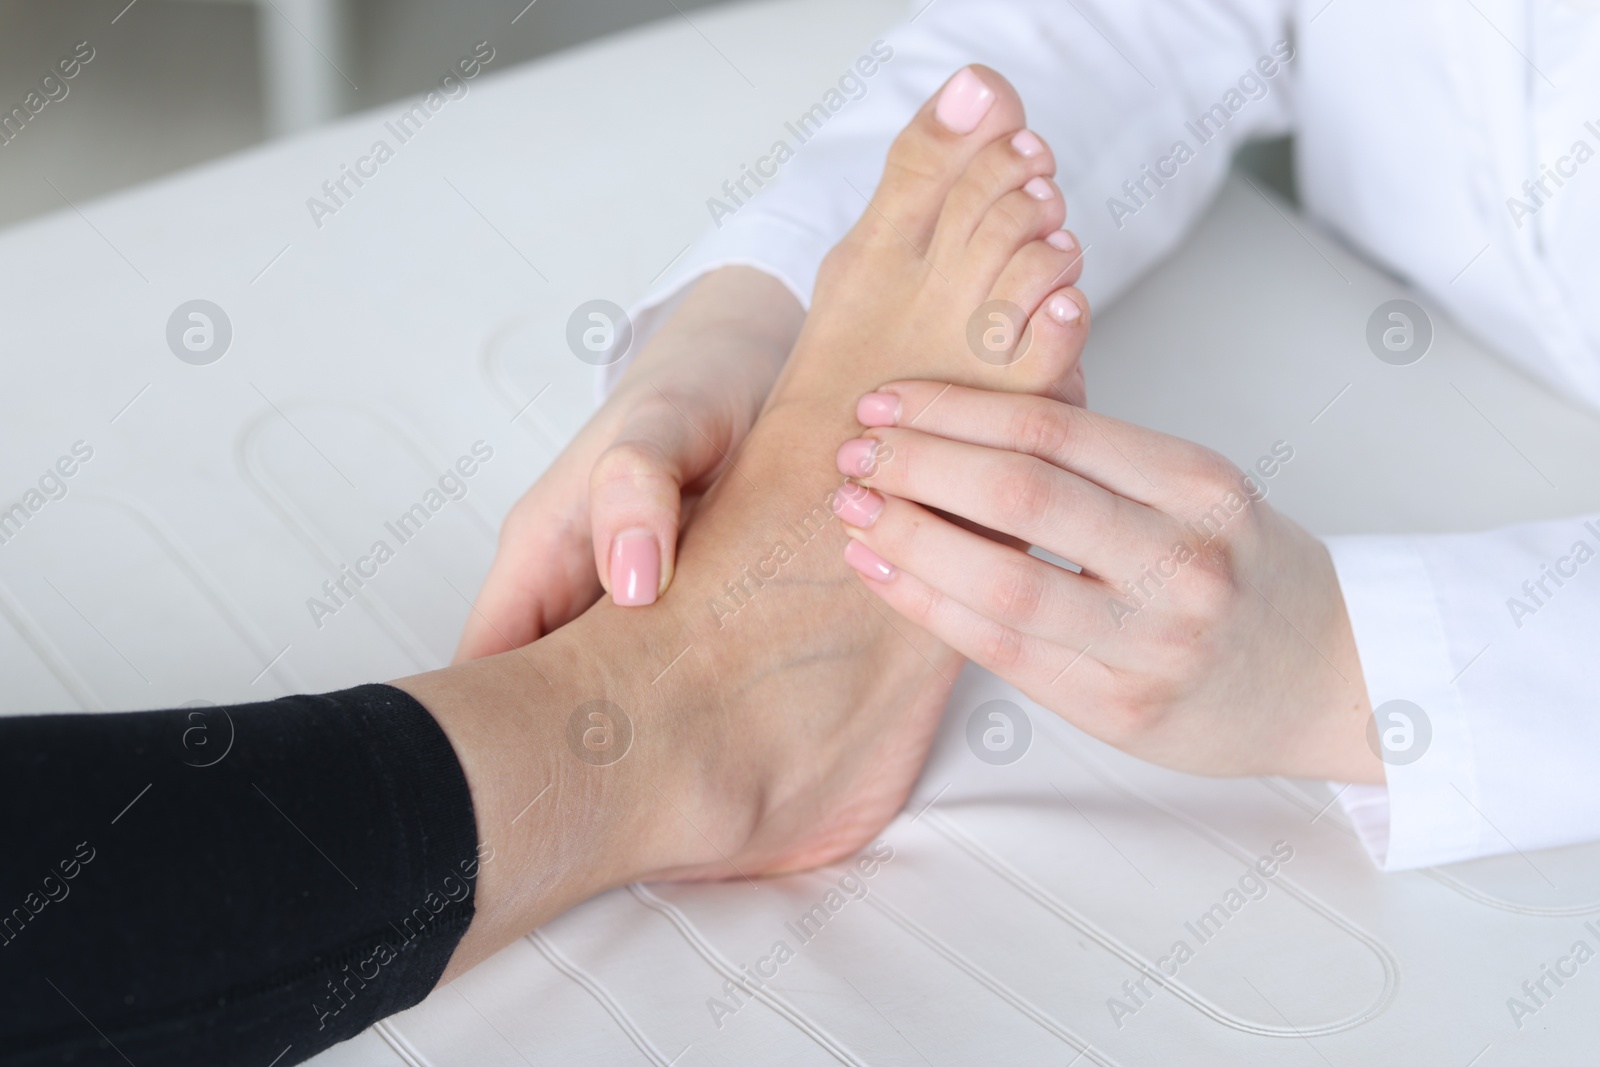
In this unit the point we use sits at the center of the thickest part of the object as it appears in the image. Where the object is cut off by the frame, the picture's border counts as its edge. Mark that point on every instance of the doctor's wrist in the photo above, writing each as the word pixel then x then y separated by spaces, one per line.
pixel 735 326
pixel 1333 741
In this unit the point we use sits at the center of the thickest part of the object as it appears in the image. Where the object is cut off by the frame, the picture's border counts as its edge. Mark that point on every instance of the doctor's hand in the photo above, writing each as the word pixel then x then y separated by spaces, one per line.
pixel 1206 632
pixel 605 516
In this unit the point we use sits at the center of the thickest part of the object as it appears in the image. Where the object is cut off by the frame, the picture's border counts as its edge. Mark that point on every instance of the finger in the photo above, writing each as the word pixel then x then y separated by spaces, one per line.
pixel 541 578
pixel 1152 468
pixel 1030 663
pixel 1002 584
pixel 636 492
pixel 1013 493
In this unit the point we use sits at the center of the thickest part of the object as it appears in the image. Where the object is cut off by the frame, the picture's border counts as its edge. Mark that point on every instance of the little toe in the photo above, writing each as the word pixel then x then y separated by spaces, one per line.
pixel 1052 364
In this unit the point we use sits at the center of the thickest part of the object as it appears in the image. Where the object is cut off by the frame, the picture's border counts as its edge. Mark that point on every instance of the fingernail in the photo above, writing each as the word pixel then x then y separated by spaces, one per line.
pixel 1039 189
pixel 1064 309
pixel 857 505
pixel 867 561
pixel 1027 144
pixel 964 102
pixel 635 568
pixel 878 409
pixel 856 458
pixel 1061 241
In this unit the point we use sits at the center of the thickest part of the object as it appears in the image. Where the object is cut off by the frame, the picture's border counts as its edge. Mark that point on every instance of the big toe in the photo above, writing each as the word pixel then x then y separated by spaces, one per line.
pixel 970 111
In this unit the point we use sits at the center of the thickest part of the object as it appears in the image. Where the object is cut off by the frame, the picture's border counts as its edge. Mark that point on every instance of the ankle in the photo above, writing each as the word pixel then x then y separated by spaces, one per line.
pixel 685 794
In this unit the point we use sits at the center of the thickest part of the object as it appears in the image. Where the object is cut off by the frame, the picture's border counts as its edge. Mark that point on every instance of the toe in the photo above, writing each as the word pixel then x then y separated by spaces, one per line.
pixel 1052 365
pixel 975 108
pixel 1038 269
pixel 1021 216
pixel 1001 167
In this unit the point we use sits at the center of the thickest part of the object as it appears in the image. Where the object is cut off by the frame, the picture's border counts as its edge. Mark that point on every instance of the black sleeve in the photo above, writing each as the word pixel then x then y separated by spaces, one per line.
pixel 218 885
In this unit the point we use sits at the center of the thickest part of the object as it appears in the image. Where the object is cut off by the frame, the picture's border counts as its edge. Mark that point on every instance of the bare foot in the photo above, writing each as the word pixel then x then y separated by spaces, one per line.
pixel 812 707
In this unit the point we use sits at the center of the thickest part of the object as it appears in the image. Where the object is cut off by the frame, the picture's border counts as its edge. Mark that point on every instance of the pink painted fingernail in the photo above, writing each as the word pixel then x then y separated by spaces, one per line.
pixel 1039 189
pixel 878 409
pixel 1061 241
pixel 856 458
pixel 964 102
pixel 867 561
pixel 856 505
pixel 635 567
pixel 1027 144
pixel 1064 309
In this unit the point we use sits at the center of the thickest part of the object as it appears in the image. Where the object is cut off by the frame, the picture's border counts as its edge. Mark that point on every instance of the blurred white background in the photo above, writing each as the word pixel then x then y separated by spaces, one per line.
pixel 177 82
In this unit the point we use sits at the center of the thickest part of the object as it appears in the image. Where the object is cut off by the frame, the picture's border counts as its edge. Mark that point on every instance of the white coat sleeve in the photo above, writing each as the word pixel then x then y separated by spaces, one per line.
pixel 1115 86
pixel 1495 637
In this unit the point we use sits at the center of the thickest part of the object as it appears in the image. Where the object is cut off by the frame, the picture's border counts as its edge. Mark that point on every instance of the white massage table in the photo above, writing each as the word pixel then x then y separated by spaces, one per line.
pixel 429 314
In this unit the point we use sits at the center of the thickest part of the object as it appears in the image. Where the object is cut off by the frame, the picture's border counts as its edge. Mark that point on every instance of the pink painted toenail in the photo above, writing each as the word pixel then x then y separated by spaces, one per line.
pixel 1061 241
pixel 964 102
pixel 878 409
pixel 1027 144
pixel 857 506
pixel 1064 309
pixel 867 561
pixel 1039 189
pixel 856 458
pixel 635 567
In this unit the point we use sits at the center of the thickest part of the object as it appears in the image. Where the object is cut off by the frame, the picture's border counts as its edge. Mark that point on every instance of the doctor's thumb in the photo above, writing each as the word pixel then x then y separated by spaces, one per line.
pixel 634 507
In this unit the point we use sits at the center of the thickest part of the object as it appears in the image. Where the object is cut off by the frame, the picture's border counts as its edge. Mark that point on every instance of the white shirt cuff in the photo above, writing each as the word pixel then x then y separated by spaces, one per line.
pixel 764 242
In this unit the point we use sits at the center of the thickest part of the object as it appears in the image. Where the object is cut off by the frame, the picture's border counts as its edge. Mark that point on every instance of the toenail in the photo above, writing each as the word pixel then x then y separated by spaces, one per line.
pixel 878 409
pixel 1061 241
pixel 857 458
pixel 856 505
pixel 1064 309
pixel 1027 144
pixel 1039 189
pixel 964 102
pixel 867 561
